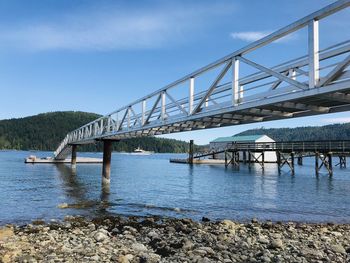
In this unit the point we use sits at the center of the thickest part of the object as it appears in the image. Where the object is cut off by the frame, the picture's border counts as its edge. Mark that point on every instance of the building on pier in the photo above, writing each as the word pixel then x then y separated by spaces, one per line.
pixel 223 143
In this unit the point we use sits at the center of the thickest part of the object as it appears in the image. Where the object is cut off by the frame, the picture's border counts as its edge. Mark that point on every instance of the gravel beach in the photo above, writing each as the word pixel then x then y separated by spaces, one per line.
pixel 121 239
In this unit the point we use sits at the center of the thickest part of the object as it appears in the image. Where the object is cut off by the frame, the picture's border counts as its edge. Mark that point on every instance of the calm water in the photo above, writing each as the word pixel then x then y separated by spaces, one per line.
pixel 150 185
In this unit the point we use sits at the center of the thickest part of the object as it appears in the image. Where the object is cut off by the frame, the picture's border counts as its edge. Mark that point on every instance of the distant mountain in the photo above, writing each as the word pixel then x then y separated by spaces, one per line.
pixel 45 131
pixel 309 133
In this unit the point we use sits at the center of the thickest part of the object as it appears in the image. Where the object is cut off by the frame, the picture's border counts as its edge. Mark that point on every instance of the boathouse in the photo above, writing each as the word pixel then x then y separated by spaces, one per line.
pixel 223 143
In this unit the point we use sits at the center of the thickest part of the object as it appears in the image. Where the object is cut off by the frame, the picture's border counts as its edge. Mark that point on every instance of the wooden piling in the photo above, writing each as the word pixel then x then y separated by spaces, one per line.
pixel 300 160
pixel 107 156
pixel 342 161
pixel 292 161
pixel 278 153
pixel 244 157
pixel 74 155
pixel 316 163
pixel 330 163
pixel 190 153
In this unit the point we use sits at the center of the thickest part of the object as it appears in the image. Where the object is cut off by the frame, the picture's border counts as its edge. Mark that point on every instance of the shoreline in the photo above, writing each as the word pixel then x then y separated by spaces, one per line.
pixel 157 239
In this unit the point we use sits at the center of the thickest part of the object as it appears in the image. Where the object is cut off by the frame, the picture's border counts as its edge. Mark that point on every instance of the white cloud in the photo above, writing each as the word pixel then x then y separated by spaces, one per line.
pixel 251 36
pixel 336 120
pixel 114 28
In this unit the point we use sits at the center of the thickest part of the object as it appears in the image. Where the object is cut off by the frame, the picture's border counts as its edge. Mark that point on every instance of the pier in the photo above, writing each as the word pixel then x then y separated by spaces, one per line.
pixel 324 153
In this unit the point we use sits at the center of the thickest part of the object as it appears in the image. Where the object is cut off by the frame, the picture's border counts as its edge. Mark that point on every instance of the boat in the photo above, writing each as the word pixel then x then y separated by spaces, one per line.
pixel 139 151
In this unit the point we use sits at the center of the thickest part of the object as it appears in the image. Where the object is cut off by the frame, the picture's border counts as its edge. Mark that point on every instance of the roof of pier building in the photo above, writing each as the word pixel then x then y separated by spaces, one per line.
pixel 244 138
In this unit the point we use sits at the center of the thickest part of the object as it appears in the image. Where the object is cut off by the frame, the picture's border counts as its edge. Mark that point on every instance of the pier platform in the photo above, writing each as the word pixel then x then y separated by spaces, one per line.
pixel 49 160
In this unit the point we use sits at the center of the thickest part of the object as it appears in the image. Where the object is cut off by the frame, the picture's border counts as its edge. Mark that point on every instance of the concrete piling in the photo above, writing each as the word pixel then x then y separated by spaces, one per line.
pixel 107 156
pixel 74 155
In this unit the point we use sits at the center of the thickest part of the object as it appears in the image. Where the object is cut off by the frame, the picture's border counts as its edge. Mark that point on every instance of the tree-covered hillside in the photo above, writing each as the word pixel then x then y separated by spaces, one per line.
pixel 45 131
pixel 310 133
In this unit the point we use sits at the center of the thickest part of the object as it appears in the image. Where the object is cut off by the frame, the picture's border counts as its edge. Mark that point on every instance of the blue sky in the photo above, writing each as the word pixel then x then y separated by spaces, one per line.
pixel 97 56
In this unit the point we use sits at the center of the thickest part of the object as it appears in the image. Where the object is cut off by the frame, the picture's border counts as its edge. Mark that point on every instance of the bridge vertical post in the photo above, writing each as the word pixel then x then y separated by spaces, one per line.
pixel 313 53
pixel 190 153
pixel 191 96
pixel 107 156
pixel 74 155
pixel 235 83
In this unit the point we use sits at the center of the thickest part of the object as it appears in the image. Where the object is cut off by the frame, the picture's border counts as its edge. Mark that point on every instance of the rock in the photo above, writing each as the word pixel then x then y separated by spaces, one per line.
pixel 276 243
pixel 125 258
pixel 338 249
pixel 188 245
pixel 205 219
pixel 229 225
pixel 263 240
pixel 150 258
pixel 95 258
pixel 100 236
pixel 63 205
pixel 153 234
pixel 138 247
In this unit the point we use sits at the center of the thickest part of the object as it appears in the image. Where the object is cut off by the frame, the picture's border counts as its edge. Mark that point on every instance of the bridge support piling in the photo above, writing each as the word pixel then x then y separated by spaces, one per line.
pixel 74 155
pixel 292 161
pixel 190 153
pixel 107 156
pixel 317 168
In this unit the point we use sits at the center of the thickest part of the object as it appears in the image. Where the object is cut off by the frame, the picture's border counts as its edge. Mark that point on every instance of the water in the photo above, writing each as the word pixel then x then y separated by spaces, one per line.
pixel 150 185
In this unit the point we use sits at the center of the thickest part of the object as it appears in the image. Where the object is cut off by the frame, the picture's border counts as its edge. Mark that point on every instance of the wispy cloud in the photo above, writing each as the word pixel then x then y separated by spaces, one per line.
pixel 336 120
pixel 251 36
pixel 114 28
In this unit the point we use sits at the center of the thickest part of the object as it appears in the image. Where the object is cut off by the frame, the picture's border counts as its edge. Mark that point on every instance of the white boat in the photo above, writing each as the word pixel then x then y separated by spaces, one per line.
pixel 139 151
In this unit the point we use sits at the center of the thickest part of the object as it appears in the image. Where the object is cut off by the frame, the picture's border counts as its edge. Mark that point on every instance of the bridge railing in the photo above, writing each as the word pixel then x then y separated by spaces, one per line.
pixel 184 101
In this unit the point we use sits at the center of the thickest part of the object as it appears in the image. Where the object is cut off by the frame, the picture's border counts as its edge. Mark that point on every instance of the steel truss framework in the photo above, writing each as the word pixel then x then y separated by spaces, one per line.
pixel 316 83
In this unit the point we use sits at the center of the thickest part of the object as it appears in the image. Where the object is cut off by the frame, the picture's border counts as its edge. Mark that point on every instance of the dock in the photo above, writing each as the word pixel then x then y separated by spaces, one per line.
pixel 286 152
pixel 49 160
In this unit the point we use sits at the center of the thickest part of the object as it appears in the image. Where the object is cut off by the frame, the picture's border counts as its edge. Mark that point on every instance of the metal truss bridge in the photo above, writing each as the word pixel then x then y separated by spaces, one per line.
pixel 237 89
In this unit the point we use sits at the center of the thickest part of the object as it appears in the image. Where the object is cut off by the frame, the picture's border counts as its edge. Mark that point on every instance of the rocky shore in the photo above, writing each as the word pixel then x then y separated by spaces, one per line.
pixel 117 239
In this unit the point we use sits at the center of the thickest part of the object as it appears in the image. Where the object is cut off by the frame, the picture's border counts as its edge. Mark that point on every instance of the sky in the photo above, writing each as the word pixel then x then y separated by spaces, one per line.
pixel 97 56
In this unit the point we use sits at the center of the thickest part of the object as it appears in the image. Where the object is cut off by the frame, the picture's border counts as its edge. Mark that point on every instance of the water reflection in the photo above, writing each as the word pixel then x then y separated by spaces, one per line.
pixel 76 189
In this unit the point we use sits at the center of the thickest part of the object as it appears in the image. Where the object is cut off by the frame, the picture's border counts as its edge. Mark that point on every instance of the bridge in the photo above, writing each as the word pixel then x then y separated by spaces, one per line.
pixel 234 90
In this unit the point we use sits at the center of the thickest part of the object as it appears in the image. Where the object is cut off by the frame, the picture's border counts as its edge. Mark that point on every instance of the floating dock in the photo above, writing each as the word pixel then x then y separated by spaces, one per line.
pixel 47 160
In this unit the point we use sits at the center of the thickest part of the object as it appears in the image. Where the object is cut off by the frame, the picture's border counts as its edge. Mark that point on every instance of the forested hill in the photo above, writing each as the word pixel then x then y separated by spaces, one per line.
pixel 310 133
pixel 45 131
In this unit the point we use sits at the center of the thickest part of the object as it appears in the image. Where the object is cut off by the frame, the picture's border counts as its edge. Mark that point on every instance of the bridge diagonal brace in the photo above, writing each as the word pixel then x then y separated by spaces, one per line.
pixel 137 119
pixel 336 72
pixel 123 119
pixel 278 82
pixel 153 108
pixel 212 87
pixel 274 73
pixel 175 102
